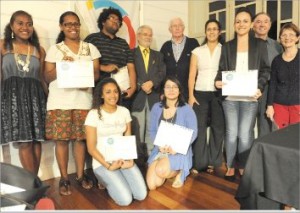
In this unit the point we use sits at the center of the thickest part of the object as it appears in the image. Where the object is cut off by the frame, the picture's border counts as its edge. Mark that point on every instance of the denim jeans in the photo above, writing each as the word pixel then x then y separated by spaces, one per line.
pixel 123 184
pixel 240 120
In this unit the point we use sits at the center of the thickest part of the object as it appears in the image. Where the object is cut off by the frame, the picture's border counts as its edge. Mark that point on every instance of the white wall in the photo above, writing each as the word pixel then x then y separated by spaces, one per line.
pixel 158 14
pixel 46 15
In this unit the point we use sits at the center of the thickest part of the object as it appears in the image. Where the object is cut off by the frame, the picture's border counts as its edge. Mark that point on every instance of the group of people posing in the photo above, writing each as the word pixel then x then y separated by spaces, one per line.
pixel 181 84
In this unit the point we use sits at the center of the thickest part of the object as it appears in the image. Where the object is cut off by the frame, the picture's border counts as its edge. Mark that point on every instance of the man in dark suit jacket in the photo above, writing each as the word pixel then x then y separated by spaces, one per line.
pixel 150 71
pixel 177 53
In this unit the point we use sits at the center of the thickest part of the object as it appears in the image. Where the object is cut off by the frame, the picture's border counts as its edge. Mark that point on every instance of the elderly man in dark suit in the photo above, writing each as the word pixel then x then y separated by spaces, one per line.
pixel 150 71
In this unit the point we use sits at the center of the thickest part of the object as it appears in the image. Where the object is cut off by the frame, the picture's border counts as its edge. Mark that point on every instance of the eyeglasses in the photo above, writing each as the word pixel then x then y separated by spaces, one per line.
pixel 212 29
pixel 177 26
pixel 114 19
pixel 288 36
pixel 171 88
pixel 71 24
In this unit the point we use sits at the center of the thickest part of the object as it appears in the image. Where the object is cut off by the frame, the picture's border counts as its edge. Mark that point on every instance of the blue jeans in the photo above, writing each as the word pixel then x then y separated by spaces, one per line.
pixel 123 184
pixel 240 120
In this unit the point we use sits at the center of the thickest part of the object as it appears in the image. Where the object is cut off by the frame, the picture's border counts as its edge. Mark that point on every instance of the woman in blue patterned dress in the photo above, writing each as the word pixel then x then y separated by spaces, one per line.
pixel 23 90
pixel 164 162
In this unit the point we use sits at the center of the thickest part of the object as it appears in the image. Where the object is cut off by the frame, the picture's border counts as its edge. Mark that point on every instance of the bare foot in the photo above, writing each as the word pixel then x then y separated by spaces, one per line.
pixel 241 171
pixel 230 172
pixel 84 182
pixel 101 186
pixel 194 171
pixel 177 181
pixel 64 187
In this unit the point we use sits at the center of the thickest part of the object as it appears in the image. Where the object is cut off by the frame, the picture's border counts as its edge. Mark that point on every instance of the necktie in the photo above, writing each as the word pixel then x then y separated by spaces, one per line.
pixel 146 58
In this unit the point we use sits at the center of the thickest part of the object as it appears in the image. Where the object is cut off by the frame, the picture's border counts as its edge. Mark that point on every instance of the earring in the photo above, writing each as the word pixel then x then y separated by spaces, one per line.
pixel 12 35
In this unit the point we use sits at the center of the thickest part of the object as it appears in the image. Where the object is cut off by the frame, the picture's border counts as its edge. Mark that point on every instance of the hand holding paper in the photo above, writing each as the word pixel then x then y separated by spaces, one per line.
pixel 237 83
pixel 122 78
pixel 75 74
pixel 173 135
pixel 118 147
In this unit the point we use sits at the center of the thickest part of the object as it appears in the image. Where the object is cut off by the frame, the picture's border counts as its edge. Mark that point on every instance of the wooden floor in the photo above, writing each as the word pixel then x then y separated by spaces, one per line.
pixel 200 192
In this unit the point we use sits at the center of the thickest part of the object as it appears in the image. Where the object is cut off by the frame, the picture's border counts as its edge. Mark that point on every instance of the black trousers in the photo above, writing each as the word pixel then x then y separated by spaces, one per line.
pixel 264 124
pixel 209 112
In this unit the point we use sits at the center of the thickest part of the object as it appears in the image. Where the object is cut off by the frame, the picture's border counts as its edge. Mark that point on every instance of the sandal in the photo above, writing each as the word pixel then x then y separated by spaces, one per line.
pixel 177 184
pixel 101 186
pixel 84 182
pixel 194 171
pixel 210 169
pixel 64 187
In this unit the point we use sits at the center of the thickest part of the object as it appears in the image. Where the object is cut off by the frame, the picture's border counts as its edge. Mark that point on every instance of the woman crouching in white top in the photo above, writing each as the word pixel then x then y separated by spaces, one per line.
pixel 122 178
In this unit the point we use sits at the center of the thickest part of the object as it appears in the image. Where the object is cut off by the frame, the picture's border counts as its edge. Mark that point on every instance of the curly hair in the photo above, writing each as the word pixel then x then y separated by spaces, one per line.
pixel 61 36
pixel 181 100
pixel 8 40
pixel 104 16
pixel 98 101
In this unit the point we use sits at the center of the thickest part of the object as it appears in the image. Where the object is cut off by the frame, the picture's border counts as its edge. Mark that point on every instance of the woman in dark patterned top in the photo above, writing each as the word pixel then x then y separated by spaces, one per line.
pixel 284 97
pixel 23 90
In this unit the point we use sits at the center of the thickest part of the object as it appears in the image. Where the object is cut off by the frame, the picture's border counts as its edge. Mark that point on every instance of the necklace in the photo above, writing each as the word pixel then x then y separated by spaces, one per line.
pixel 23 66
pixel 84 49
pixel 169 115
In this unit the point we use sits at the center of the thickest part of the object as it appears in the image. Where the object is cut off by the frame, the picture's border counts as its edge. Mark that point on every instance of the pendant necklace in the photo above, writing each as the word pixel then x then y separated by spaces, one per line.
pixel 23 66
pixel 170 119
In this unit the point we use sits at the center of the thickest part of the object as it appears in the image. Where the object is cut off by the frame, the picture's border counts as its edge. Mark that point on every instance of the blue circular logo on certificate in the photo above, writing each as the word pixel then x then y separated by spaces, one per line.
pixel 229 77
pixel 65 66
pixel 110 141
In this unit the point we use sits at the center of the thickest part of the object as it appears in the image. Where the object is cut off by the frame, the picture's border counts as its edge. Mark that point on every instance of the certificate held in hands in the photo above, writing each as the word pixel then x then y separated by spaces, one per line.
pixel 122 78
pixel 118 147
pixel 239 83
pixel 175 136
pixel 75 74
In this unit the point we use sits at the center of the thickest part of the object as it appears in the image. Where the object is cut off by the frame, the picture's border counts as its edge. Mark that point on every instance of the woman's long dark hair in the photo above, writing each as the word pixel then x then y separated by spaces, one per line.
pixel 98 92
pixel 61 36
pixel 8 40
pixel 220 38
pixel 180 101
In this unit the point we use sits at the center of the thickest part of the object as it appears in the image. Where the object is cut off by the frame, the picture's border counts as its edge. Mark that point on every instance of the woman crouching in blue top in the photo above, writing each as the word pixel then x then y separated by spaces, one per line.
pixel 164 162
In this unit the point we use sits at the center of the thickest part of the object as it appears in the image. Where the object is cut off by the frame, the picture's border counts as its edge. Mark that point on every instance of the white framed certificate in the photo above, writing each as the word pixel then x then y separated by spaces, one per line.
pixel 240 83
pixel 122 78
pixel 173 135
pixel 118 147
pixel 75 74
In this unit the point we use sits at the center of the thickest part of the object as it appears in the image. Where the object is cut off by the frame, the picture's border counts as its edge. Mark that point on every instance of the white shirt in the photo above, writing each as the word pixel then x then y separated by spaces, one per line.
pixel 70 98
pixel 111 124
pixel 242 65
pixel 208 65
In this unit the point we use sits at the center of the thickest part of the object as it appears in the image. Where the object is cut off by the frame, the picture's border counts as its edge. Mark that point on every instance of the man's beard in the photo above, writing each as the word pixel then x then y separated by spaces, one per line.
pixel 112 30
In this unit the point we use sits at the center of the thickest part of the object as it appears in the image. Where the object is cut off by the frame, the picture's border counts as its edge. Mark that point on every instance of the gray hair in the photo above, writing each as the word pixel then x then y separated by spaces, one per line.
pixel 174 19
pixel 139 30
pixel 262 13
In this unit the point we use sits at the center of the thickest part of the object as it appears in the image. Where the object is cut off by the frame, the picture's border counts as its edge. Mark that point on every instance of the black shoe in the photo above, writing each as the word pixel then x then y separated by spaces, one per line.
pixel 230 178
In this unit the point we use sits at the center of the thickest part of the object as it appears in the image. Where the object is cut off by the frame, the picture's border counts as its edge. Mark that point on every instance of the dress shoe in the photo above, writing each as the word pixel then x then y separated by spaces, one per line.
pixel 230 178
